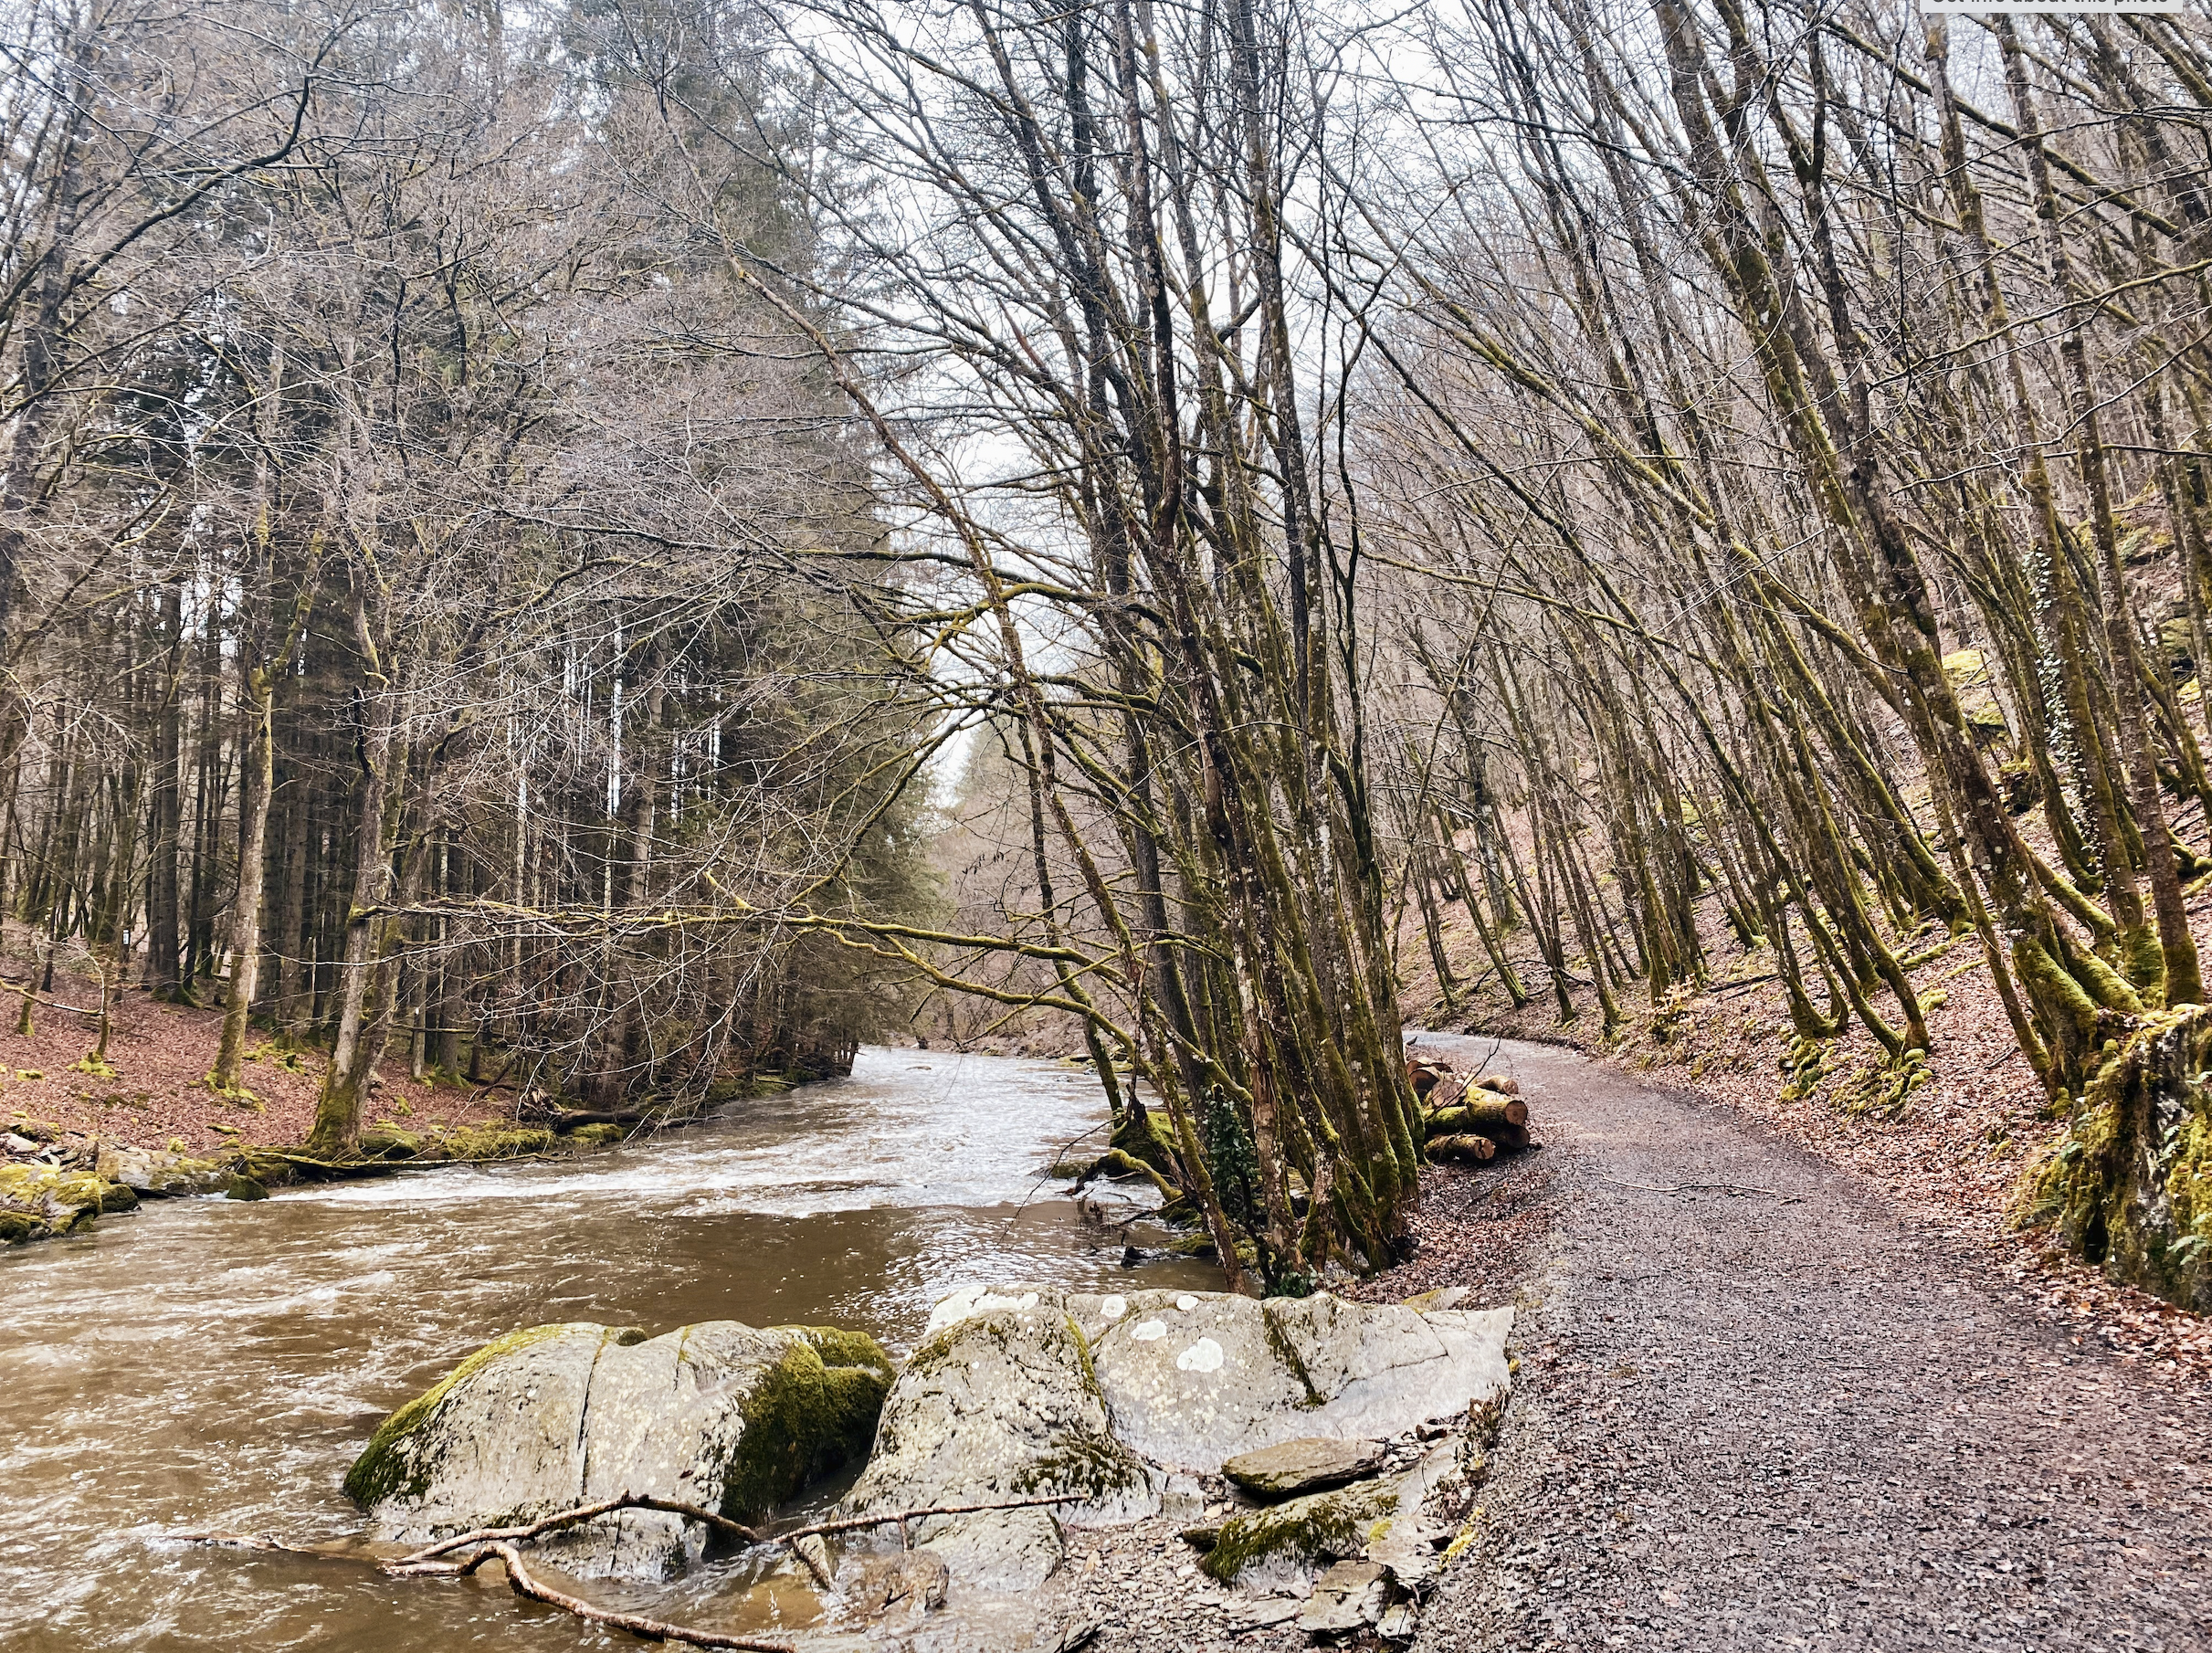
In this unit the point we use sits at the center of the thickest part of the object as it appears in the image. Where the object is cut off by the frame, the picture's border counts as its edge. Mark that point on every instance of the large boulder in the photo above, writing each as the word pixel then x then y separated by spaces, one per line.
pixel 1193 1379
pixel 718 1414
pixel 157 1173
pixel 1000 1403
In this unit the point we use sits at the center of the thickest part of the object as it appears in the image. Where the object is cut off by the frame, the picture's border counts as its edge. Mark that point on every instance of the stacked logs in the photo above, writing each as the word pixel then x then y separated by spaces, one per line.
pixel 1466 1117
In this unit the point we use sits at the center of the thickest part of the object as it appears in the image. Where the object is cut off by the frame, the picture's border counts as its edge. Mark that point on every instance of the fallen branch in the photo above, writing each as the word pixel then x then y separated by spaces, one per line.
pixel 520 1581
pixel 499 1543
pixel 576 1518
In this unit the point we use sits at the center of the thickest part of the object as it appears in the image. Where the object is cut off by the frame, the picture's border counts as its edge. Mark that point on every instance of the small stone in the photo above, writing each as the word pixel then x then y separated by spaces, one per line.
pixel 1350 1596
pixel 1303 1465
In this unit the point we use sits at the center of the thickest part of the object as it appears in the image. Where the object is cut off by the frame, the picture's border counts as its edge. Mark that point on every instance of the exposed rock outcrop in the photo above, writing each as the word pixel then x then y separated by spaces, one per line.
pixel 1023 1391
pixel 1193 1379
pixel 718 1414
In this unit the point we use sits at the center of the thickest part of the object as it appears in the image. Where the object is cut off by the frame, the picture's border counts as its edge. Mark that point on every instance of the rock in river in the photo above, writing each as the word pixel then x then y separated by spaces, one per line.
pixel 717 1415
pixel 998 1403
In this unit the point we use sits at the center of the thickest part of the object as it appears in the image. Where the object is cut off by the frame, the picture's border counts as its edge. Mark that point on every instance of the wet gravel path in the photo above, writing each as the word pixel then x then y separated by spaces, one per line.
pixel 1783 1419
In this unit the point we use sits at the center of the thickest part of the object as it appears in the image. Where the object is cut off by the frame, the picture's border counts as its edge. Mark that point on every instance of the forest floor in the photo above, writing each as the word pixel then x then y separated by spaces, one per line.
pixel 1757 1406
pixel 1950 1152
pixel 159 1055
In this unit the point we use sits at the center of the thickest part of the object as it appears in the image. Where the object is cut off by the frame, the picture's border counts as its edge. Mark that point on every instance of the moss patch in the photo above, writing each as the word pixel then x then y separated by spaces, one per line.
pixel 493 1143
pixel 2131 1184
pixel 1302 1534
pixel 815 1409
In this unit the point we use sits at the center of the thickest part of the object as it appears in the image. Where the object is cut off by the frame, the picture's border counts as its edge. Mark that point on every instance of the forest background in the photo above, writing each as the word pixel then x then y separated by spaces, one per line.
pixel 619 548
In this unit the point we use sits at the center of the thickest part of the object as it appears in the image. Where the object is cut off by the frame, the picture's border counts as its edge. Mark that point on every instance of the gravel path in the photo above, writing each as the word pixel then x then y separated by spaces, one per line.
pixel 1781 1419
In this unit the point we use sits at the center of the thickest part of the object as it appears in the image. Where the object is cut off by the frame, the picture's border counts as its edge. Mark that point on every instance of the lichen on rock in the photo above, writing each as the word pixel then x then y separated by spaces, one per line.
pixel 1002 1403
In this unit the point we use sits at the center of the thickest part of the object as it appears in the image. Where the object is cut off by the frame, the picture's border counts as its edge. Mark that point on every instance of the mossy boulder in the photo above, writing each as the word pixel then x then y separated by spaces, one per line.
pixel 156 1172
pixel 2131 1184
pixel 386 1140
pixel 1283 1547
pixel 1001 1402
pixel 600 1135
pixel 40 1201
pixel 720 1415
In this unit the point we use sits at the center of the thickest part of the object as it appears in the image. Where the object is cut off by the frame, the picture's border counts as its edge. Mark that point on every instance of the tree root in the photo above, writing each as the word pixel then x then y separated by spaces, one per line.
pixel 1118 1162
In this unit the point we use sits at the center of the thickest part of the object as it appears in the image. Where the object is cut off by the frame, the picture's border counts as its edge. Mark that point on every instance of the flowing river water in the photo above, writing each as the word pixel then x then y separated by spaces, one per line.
pixel 211 1365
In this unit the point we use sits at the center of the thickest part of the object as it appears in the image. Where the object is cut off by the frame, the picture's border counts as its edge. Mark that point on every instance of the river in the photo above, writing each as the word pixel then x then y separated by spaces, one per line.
pixel 207 1364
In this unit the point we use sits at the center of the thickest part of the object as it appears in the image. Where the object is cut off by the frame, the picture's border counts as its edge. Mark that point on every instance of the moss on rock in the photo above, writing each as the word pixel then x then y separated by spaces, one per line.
pixel 599 1135
pixel 813 1410
pixel 1304 1535
pixel 493 1143
pixel 386 1140
pixel 384 1471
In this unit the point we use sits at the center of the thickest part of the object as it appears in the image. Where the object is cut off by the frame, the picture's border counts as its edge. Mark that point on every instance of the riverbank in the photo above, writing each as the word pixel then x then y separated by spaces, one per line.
pixel 1946 1142
pixel 151 1091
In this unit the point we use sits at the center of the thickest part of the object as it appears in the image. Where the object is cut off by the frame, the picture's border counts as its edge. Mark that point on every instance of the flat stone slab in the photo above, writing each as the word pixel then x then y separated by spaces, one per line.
pixel 1308 1464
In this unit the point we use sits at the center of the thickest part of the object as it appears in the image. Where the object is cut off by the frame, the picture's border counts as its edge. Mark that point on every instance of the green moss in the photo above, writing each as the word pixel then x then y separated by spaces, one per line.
pixel 599 1136
pixel 497 1141
pixel 815 1409
pixel 384 1471
pixel 2130 1186
pixel 243 1188
pixel 1303 1534
pixel 386 1140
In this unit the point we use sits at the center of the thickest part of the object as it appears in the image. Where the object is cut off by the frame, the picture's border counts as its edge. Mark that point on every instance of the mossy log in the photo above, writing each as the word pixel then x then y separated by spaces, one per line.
pixel 1115 1164
pixel 1498 1083
pixel 1462 1147
pixel 1478 1112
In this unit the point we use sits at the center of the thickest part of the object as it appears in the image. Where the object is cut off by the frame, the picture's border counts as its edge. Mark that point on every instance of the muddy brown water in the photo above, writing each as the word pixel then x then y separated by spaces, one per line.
pixel 207 1364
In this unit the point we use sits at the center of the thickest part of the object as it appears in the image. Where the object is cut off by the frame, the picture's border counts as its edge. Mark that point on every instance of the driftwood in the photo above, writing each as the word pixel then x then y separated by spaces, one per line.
pixel 576 1518
pixel 1117 1163
pixel 500 1544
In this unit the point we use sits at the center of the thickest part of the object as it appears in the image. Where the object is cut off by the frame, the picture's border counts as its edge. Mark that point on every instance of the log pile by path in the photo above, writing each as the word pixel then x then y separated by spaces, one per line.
pixel 1467 1116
